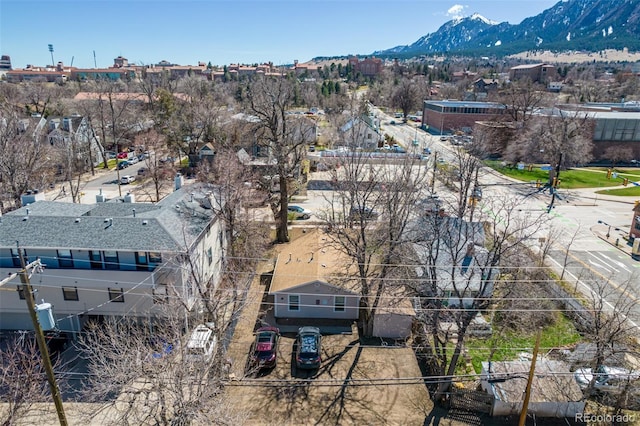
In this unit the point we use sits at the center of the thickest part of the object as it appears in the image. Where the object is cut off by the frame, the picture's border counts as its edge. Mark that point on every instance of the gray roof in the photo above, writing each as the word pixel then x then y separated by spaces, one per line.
pixel 552 382
pixel 468 104
pixel 172 225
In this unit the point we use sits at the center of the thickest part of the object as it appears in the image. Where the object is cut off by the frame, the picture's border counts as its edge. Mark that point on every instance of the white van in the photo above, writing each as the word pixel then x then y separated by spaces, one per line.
pixel 202 344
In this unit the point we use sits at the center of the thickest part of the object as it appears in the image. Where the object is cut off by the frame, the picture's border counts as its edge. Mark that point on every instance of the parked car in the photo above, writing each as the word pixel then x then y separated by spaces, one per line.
pixel 366 213
pixel 133 160
pixel 477 193
pixel 308 348
pixel 123 155
pixel 426 151
pixel 123 164
pixel 111 154
pixel 312 148
pixel 299 212
pixel 202 344
pixel 608 379
pixel 127 179
pixel 264 350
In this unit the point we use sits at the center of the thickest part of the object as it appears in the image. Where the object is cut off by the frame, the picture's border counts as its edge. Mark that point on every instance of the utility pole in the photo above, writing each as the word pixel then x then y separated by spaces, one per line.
pixel 527 392
pixel 433 179
pixel 42 345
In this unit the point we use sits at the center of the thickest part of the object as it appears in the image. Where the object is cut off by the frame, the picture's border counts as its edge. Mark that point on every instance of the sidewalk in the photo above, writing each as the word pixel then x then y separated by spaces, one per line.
pixel 613 237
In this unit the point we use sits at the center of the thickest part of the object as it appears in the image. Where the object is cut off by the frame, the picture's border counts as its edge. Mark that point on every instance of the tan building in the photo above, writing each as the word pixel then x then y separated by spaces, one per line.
pixel 538 73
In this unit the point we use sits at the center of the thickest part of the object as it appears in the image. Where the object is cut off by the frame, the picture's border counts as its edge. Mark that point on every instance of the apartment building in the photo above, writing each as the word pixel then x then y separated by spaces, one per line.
pixel 110 258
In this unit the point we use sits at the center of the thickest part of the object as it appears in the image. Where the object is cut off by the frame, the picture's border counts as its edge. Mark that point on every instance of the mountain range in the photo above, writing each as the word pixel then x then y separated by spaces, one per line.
pixel 587 25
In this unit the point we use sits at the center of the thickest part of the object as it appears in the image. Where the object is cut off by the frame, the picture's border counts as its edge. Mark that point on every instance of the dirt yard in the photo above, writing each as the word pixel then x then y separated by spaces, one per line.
pixel 356 384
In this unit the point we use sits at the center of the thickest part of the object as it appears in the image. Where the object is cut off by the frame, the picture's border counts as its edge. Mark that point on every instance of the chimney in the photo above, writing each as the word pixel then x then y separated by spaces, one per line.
pixel 178 181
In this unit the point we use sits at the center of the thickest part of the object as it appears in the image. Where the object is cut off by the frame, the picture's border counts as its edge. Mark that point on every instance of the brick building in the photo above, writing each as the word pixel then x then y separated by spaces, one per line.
pixel 449 116
pixel 368 67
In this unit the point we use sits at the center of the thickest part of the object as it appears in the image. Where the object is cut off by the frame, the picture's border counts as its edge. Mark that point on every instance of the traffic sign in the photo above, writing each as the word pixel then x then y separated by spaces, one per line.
pixel 546 168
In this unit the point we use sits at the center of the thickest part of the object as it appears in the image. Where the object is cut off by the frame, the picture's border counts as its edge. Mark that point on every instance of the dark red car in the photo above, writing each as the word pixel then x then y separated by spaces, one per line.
pixel 264 351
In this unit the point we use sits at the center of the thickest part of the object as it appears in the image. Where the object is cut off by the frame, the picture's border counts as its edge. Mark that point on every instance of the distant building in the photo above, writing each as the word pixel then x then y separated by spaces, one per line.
pixel 538 73
pixel 120 62
pixel 368 67
pixel 485 85
pixel 5 63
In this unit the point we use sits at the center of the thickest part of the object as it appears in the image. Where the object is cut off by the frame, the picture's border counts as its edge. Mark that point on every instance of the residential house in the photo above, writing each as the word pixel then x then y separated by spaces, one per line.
pixel 461 262
pixel 362 131
pixel 537 73
pixel 485 85
pixel 312 285
pixel 207 152
pixel 75 135
pixel 554 390
pixel 111 258
pixel 305 287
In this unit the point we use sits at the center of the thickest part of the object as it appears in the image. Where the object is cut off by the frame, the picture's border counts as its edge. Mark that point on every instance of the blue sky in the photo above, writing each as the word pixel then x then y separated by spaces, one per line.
pixel 227 31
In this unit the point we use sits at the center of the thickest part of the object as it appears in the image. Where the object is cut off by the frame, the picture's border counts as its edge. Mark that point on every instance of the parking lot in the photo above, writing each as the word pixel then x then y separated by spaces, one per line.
pixel 356 384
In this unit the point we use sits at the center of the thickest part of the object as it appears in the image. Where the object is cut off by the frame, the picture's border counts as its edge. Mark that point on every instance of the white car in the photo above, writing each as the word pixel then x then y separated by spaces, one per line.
pixel 299 212
pixel 127 179
pixel 133 159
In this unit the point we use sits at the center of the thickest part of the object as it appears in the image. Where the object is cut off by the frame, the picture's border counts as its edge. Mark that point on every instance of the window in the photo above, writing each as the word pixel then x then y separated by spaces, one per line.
pixel 160 294
pixel 210 255
pixel 338 303
pixel 142 261
pixel 95 259
pixel 111 259
pixel 15 255
pixel 20 290
pixel 70 293
pixel 294 302
pixel 155 257
pixel 64 259
pixel 116 295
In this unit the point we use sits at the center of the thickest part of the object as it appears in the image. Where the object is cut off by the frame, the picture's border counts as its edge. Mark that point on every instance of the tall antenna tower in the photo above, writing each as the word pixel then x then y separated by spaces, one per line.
pixel 95 64
pixel 51 51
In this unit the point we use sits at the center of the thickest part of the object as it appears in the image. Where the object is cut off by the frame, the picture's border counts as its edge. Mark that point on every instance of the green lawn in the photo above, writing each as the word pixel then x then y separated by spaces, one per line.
pixel 630 191
pixel 561 333
pixel 569 179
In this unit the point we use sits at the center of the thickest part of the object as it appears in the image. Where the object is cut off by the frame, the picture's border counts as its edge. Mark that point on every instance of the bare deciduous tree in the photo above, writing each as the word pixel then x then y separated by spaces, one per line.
pixel 23 163
pixel 23 381
pixel 143 372
pixel 459 263
pixel 367 220
pixel 158 172
pixel 283 135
